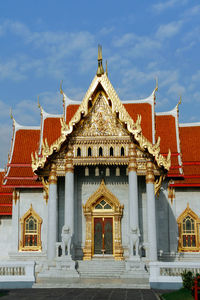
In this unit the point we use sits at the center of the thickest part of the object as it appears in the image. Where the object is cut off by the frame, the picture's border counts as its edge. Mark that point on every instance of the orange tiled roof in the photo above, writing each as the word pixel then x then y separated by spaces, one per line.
pixel 5 198
pixel 51 130
pixel 20 172
pixel 189 140
pixel 145 110
pixel 166 130
pixel 70 111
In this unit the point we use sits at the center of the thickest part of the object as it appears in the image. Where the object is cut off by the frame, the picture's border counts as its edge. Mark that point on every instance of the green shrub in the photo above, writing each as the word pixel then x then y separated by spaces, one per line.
pixel 188 279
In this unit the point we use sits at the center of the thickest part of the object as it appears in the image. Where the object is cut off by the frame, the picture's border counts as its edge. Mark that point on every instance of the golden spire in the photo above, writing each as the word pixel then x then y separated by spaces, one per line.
pixel 156 89
pixel 100 70
pixel 106 68
pixel 61 90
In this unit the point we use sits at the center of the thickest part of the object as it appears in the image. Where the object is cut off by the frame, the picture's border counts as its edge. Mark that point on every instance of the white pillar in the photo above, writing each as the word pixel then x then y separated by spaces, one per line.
pixel 133 202
pixel 69 193
pixel 15 222
pixel 151 212
pixel 52 214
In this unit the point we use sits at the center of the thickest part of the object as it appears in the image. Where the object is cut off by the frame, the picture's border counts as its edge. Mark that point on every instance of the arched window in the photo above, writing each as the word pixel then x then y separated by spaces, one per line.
pixel 188 224
pixel 100 151
pixel 111 151
pixel 188 234
pixel 122 151
pixel 30 231
pixel 78 152
pixel 89 151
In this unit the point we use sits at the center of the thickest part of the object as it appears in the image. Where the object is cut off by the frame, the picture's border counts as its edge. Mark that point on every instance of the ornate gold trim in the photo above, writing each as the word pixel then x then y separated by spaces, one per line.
pixel 132 165
pixel 124 117
pixel 52 174
pixel 116 213
pixel 158 184
pixel 22 247
pixel 150 178
pixel 171 191
pixel 45 190
pixel 16 195
pixel 188 212
pixel 69 162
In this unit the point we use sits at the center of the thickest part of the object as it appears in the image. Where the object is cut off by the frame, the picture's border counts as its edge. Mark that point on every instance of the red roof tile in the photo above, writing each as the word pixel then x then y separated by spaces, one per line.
pixel 189 140
pixel 145 110
pixel 51 130
pixel 26 142
pixel 70 111
pixel 5 198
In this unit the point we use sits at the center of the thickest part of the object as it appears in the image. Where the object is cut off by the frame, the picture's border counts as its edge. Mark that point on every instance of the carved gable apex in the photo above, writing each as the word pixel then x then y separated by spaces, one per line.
pixel 100 121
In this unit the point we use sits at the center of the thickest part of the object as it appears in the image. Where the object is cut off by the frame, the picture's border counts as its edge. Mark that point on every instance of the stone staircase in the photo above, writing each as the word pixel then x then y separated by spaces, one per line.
pixel 97 273
pixel 102 268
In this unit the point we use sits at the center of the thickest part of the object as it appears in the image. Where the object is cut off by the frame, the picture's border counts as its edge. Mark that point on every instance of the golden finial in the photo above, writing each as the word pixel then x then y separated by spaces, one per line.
pixel 106 67
pixel 61 90
pixel 179 102
pixel 39 106
pixel 156 84
pixel 11 115
pixel 100 70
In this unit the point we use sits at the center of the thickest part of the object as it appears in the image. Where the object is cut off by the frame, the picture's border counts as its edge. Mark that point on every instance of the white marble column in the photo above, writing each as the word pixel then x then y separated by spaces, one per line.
pixel 151 211
pixel 52 214
pixel 69 193
pixel 133 203
pixel 15 222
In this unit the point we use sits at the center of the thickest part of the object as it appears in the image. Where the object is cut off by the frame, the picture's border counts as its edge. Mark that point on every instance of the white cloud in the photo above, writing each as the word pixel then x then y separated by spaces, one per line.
pixel 168 30
pixel 176 89
pixel 193 11
pixel 196 77
pixel 162 6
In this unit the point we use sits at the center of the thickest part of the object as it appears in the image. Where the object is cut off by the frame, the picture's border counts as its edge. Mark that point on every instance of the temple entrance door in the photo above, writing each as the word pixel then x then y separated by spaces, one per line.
pixel 103 236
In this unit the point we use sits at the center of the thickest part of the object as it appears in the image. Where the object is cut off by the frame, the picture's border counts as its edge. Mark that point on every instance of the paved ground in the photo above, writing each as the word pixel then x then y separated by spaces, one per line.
pixel 79 294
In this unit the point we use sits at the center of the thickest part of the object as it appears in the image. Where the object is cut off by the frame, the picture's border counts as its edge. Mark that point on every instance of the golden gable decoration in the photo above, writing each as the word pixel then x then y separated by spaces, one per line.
pixel 118 109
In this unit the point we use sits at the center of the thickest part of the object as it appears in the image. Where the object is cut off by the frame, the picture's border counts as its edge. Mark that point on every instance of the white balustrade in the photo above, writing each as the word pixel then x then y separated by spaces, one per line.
pixel 17 271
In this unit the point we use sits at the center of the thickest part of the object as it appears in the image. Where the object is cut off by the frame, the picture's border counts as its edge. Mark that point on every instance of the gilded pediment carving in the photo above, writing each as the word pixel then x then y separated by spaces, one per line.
pixel 100 121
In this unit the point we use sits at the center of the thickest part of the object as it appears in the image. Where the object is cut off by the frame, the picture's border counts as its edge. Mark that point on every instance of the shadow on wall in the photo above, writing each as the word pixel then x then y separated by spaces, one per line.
pixel 167 227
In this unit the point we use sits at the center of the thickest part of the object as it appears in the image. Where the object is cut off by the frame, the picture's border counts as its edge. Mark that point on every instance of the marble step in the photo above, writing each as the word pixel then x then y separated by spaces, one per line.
pixel 136 283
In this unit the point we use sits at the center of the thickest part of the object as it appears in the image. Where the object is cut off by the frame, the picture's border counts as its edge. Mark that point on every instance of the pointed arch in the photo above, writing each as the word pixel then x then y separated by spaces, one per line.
pixel 30 231
pixel 188 225
pixel 103 204
pixel 103 192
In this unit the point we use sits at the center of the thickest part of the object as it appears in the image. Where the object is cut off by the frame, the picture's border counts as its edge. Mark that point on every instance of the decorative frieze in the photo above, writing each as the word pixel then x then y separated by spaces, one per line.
pixel 69 162
pixel 150 171
pixel 52 174
pixel 132 166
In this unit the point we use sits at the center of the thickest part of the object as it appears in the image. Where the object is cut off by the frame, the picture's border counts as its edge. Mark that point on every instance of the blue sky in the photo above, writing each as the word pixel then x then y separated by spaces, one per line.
pixel 44 42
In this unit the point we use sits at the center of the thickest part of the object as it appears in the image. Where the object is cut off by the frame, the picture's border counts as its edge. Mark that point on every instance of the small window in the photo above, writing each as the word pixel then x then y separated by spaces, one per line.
pixel 122 151
pixel 78 152
pixel 111 151
pixel 100 151
pixel 103 205
pixel 89 151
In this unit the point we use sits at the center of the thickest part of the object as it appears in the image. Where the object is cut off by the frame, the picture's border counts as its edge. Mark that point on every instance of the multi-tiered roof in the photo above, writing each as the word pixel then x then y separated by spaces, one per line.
pixel 181 139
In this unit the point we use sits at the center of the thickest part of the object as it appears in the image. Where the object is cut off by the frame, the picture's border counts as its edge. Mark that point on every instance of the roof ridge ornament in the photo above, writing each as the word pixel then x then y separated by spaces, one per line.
pixel 179 102
pixel 100 70
pixel 40 106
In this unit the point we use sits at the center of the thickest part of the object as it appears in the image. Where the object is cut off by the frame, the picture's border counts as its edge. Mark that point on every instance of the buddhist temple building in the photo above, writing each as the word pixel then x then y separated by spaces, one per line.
pixel 108 189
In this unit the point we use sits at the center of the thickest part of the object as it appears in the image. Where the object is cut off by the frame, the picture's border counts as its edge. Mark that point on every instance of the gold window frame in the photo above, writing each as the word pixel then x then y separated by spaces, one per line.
pixel 188 213
pixel 30 213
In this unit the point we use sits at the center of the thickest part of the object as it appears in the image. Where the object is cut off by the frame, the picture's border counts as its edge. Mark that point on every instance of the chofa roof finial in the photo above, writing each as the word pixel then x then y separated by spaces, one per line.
pixel 100 70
